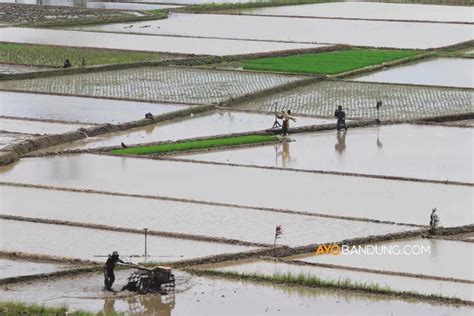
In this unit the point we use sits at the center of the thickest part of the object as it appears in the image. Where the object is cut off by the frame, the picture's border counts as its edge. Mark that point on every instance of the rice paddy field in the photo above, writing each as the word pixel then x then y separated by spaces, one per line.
pixel 202 137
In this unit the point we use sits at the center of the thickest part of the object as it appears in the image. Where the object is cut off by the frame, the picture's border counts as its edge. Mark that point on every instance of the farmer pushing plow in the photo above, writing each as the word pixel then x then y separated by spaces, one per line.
pixel 145 280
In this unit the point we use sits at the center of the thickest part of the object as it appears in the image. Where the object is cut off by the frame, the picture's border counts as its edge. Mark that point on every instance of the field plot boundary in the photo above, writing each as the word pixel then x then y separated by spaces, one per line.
pixel 150 232
pixel 375 271
pixel 167 198
pixel 21 118
pixel 294 280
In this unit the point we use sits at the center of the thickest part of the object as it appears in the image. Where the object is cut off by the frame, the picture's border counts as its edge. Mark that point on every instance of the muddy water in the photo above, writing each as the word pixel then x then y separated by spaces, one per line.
pixel 15 268
pixel 449 72
pixel 397 283
pixel 18 69
pixel 83 243
pixel 366 10
pixel 362 33
pixel 75 109
pixel 400 201
pixel 8 138
pixel 182 217
pixel 167 44
pixel 214 296
pixel 222 122
pixel 446 258
pixel 394 150
pixel 36 127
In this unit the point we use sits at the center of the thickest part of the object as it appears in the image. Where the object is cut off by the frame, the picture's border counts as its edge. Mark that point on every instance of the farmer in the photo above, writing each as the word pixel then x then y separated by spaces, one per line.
pixel 67 64
pixel 286 121
pixel 109 276
pixel 341 118
pixel 434 220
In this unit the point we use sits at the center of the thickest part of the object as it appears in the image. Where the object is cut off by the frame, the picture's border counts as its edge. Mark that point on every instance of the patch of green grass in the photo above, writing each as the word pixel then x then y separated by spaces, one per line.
pixel 310 280
pixel 328 63
pixel 42 55
pixel 196 144
pixel 16 308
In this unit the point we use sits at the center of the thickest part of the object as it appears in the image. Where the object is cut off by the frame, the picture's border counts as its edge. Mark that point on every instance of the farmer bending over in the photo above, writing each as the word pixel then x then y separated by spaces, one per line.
pixel 109 276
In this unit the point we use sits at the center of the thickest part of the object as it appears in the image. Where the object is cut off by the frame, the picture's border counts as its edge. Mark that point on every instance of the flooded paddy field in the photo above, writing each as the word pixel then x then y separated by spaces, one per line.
pixel 85 243
pixel 368 10
pixel 36 127
pixel 159 84
pixel 213 296
pixel 392 150
pixel 167 44
pixel 445 258
pixel 181 217
pixel 352 32
pixel 8 69
pixel 394 282
pixel 21 14
pixel 99 4
pixel 221 122
pixel 448 72
pixel 359 99
pixel 76 109
pixel 15 268
pixel 12 138
pixel 410 202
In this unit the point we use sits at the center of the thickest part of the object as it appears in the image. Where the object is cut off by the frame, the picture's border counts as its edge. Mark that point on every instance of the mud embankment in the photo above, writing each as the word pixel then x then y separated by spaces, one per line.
pixel 14 152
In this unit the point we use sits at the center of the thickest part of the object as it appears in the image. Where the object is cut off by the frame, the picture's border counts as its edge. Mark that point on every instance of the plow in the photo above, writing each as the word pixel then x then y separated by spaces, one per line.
pixel 151 280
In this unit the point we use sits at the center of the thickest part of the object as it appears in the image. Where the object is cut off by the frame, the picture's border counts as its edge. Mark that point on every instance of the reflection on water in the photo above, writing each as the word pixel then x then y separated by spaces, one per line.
pixel 143 304
pixel 283 154
pixel 341 142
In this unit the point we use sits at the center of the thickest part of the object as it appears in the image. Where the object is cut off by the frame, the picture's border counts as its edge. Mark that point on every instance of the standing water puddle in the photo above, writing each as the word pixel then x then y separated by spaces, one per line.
pixel 448 72
pixel 360 33
pixel 445 258
pixel 180 217
pixel 75 109
pixel 392 150
pixel 400 201
pixel 397 283
pixel 87 244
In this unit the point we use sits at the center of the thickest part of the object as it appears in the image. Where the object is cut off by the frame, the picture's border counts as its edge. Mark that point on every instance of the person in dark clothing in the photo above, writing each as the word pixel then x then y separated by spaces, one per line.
pixel 67 64
pixel 434 221
pixel 109 276
pixel 341 118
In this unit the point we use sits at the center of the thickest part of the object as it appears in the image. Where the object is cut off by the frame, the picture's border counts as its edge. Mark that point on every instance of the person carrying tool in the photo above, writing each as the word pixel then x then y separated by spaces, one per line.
pixel 434 221
pixel 341 118
pixel 286 116
pixel 109 276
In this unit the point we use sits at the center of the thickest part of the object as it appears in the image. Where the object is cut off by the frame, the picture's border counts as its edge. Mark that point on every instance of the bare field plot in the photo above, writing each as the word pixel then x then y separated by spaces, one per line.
pixel 392 150
pixel 447 258
pixel 36 127
pixel 221 122
pixel 396 283
pixel 76 109
pixel 165 84
pixel 367 10
pixel 359 100
pixel 181 217
pixel 318 31
pixel 448 72
pixel 390 200
pixel 15 268
pixel 212 296
pixel 164 44
pixel 84 243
